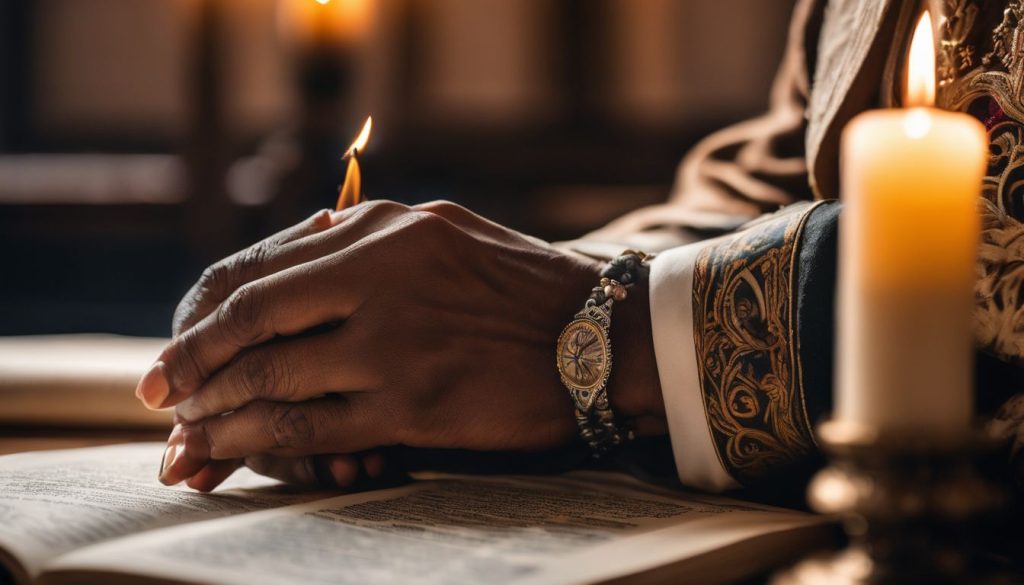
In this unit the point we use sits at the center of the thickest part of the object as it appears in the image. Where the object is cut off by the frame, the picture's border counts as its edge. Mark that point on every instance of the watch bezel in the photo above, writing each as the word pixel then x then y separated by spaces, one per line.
pixel 584 396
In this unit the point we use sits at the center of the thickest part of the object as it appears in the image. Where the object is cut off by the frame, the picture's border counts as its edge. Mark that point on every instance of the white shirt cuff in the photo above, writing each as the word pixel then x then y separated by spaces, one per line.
pixel 671 291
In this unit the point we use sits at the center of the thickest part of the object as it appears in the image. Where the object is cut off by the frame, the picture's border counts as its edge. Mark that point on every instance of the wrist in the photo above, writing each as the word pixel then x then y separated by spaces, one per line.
pixel 634 388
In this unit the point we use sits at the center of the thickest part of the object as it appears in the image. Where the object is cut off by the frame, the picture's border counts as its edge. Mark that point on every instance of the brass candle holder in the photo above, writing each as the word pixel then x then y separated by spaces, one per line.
pixel 915 511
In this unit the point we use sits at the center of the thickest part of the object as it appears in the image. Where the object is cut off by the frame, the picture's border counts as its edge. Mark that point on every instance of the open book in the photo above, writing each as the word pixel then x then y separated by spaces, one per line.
pixel 77 381
pixel 98 515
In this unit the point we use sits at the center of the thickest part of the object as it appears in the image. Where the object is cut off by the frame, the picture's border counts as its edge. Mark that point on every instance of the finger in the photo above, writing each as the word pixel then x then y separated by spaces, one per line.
pixel 222 278
pixel 324 425
pixel 188 452
pixel 282 304
pixel 286 303
pixel 325 471
pixel 289 370
pixel 213 474
pixel 374 463
pixel 318 236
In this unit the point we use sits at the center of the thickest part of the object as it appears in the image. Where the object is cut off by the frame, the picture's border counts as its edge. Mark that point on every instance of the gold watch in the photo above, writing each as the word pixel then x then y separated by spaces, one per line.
pixel 584 354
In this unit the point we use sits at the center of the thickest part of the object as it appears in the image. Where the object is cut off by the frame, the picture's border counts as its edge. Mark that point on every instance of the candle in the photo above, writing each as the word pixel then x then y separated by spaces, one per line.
pixel 324 23
pixel 352 189
pixel 911 179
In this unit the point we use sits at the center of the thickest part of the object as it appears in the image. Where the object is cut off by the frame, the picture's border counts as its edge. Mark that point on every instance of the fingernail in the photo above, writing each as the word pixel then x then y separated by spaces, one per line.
pixel 174 454
pixel 153 388
pixel 169 453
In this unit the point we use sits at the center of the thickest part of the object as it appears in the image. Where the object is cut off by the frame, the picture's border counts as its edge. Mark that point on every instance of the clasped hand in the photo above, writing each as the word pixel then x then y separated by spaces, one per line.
pixel 380 325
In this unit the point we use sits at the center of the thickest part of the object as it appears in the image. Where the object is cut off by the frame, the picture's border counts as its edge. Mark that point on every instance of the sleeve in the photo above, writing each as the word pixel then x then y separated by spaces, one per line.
pixel 742 322
pixel 742 328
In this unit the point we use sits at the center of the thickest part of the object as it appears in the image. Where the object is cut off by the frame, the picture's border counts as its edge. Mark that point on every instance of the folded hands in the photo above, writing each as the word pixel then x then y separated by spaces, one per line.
pixel 381 325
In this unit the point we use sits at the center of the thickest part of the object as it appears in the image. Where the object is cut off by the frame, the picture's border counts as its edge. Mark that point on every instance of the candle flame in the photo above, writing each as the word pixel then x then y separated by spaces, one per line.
pixel 364 136
pixel 921 65
pixel 351 192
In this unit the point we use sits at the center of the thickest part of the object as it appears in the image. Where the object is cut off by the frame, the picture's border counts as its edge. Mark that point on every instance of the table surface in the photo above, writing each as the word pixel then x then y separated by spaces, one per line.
pixel 19 440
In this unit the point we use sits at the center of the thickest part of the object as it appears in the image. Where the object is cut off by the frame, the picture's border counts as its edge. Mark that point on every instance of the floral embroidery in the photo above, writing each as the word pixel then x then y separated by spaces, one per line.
pixel 748 364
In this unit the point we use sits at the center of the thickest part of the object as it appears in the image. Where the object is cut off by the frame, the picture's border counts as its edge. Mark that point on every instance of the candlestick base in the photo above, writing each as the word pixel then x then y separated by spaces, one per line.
pixel 914 511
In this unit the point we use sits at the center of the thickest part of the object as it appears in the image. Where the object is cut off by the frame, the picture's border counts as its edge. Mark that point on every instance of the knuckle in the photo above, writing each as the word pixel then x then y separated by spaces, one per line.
pixel 247 264
pixel 212 278
pixel 253 379
pixel 441 207
pixel 239 316
pixel 209 288
pixel 425 220
pixel 263 377
pixel 319 221
pixel 372 211
pixel 185 314
pixel 291 427
pixel 384 205
pixel 379 210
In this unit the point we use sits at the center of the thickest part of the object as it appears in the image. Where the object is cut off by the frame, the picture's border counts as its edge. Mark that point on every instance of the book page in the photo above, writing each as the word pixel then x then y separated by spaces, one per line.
pixel 77 380
pixel 56 501
pixel 449 530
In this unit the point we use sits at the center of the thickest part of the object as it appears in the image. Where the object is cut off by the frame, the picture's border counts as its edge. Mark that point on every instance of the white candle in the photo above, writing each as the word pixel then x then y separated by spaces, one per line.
pixel 910 182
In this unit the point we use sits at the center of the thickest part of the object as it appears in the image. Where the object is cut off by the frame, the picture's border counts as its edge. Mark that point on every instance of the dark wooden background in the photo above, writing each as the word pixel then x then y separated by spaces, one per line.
pixel 100 230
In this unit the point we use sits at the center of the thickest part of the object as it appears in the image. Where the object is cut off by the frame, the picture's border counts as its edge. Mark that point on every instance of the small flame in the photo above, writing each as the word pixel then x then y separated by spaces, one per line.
pixel 324 2
pixel 921 65
pixel 352 190
pixel 364 136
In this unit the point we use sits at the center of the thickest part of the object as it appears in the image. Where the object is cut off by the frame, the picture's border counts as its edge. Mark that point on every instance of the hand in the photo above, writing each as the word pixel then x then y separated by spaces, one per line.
pixel 382 325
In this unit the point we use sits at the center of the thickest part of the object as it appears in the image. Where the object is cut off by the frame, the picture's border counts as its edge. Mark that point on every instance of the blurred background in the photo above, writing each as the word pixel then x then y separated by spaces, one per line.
pixel 140 140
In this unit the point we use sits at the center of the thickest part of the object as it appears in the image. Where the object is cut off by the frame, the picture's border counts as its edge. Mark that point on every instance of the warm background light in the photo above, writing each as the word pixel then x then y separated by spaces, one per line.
pixel 325 22
pixel 517 109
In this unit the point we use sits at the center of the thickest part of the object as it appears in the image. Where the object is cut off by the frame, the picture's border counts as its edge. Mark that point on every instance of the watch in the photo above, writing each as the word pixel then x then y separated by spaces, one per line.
pixel 584 354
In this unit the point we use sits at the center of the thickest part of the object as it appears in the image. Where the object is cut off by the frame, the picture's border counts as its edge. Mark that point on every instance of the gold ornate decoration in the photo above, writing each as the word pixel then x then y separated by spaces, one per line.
pixel 747 356
pixel 956 54
pixel 992 90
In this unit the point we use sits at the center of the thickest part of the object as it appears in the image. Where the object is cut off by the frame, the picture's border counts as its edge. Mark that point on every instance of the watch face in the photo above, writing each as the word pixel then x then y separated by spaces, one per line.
pixel 583 354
